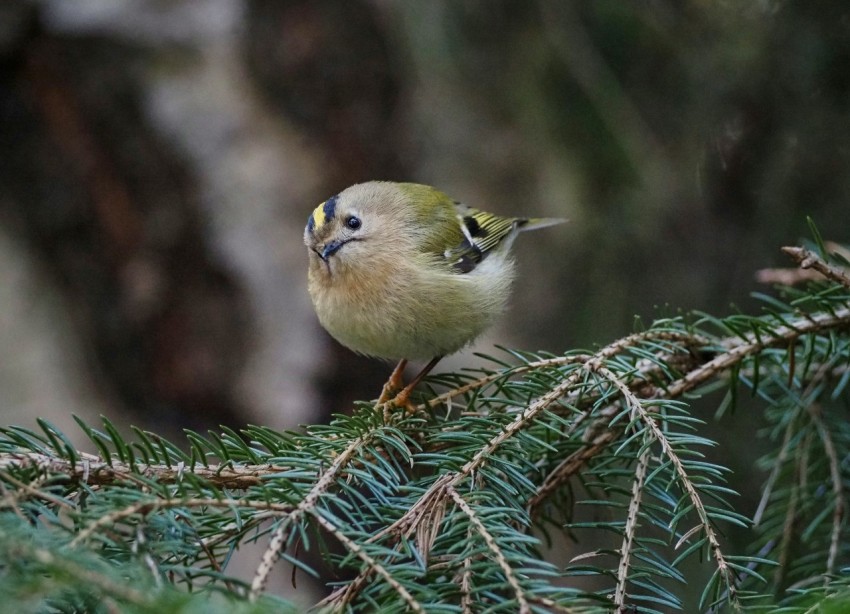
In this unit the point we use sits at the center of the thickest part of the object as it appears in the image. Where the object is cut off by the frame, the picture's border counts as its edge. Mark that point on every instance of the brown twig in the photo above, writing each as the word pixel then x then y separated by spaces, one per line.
pixel 94 471
pixel 786 276
pixel 807 259
pixel 630 529
pixel 466 602
pixel 810 267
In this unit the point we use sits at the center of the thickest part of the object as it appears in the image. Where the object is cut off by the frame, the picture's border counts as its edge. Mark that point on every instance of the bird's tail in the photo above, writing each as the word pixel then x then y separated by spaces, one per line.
pixel 533 223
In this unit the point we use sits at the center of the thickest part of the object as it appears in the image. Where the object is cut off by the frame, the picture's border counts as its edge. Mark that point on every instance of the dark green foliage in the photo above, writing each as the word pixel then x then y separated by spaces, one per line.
pixel 42 573
pixel 466 504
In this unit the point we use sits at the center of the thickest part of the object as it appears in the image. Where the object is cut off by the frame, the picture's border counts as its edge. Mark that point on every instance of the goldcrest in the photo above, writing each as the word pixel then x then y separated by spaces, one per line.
pixel 402 271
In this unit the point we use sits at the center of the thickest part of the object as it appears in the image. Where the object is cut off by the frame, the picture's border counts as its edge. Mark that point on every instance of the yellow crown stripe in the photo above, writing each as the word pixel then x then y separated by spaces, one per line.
pixel 319 217
pixel 324 212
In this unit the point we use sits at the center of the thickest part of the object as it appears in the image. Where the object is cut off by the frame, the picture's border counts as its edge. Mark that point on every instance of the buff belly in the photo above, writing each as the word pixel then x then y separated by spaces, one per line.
pixel 410 312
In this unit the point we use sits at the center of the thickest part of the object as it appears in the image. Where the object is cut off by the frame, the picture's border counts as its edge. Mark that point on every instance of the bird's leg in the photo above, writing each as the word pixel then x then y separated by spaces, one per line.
pixel 402 399
pixel 395 382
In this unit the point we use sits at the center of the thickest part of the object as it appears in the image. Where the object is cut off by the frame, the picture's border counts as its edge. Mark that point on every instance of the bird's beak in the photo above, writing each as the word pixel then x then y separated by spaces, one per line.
pixel 330 249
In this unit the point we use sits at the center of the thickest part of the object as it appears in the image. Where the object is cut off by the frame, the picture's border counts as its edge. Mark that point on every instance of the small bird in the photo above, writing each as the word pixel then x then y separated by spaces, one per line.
pixel 401 271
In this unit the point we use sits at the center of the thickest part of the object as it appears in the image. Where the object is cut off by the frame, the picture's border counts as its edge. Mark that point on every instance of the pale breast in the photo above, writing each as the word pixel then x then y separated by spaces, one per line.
pixel 394 310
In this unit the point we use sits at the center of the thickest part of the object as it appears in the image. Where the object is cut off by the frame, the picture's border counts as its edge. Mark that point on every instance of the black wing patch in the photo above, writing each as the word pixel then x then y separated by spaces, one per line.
pixel 482 232
pixel 473 226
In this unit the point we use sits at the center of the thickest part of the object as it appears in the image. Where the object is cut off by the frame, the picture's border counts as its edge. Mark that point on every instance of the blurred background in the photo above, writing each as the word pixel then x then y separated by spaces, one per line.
pixel 159 159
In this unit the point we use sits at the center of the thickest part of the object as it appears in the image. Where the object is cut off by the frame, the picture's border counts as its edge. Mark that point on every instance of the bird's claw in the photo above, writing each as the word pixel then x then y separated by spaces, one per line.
pixel 399 401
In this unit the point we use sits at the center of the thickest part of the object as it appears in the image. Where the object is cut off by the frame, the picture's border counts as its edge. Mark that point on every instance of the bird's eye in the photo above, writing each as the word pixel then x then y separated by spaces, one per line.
pixel 353 222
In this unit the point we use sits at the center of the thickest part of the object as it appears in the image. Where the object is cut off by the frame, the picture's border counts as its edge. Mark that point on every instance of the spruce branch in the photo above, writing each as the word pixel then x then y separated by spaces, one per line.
pixel 155 504
pixel 684 479
pixel 782 457
pixel 372 565
pixel 524 418
pixel 446 510
pixel 307 504
pixel 557 361
pixel 93 470
pixel 791 516
pixel 13 498
pixel 466 602
pixel 481 530
pixel 340 597
pixel 598 436
pixel 419 511
pixel 810 267
pixel 837 489
pixel 737 348
pixel 630 528
pixel 103 583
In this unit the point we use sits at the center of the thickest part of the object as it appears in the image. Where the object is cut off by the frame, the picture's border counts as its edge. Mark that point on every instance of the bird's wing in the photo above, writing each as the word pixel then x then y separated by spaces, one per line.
pixel 481 233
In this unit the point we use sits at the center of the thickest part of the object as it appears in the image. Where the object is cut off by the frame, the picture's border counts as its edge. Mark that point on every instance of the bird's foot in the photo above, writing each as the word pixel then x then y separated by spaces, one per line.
pixel 402 399
pixel 395 382
pixel 399 401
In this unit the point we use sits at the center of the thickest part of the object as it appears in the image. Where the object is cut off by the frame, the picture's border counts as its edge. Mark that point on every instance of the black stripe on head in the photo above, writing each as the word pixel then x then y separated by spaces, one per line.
pixel 330 208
